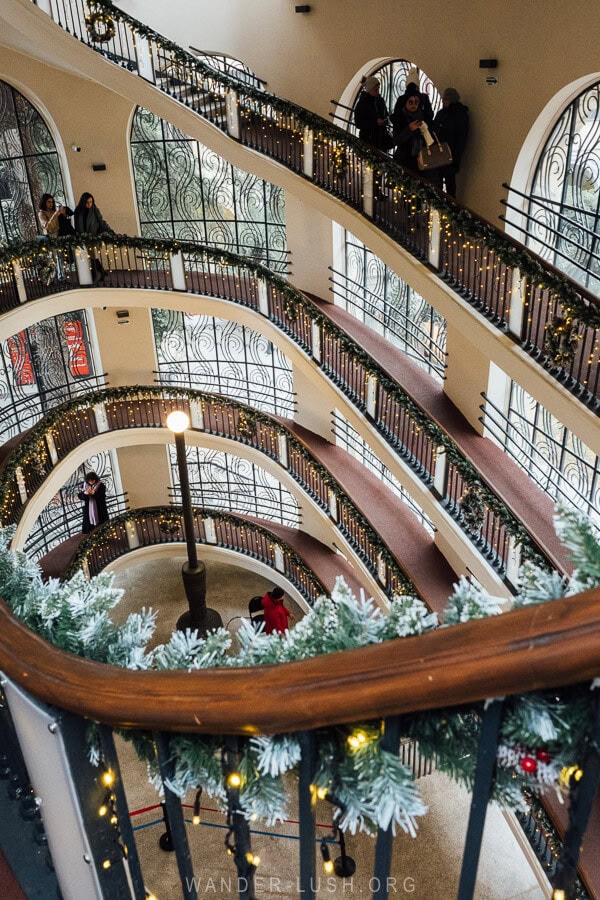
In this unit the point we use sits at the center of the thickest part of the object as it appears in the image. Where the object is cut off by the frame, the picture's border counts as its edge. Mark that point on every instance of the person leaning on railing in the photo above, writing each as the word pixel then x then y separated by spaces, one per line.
pixel 370 117
pixel 89 220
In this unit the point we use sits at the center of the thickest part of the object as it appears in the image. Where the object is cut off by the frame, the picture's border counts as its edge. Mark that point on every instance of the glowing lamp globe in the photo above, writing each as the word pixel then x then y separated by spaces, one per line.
pixel 178 421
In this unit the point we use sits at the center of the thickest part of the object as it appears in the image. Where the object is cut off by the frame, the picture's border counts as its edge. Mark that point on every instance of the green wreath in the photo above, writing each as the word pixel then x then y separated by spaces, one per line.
pixel 107 27
pixel 472 508
pixel 561 339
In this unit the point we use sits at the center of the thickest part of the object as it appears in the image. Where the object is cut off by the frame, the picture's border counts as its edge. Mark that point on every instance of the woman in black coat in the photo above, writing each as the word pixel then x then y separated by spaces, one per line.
pixel 408 116
pixel 93 494
pixel 370 115
pixel 88 220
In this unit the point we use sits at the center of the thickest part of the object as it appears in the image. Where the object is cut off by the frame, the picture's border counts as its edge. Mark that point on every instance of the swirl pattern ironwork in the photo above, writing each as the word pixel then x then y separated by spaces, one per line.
pixel 223 481
pixel 186 191
pixel 222 356
pixel 41 367
pixel 563 221
pixel 377 296
pixel 29 165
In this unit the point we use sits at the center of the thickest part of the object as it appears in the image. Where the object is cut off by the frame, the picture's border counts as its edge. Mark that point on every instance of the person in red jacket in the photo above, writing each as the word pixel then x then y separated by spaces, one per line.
pixel 276 614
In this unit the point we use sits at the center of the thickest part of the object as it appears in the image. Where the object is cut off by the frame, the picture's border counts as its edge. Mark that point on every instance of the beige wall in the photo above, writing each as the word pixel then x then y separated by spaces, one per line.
pixel 87 115
pixel 311 58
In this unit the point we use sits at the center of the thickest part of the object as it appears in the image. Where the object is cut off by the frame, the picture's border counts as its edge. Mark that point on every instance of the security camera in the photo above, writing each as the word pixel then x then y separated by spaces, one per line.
pixel 75 148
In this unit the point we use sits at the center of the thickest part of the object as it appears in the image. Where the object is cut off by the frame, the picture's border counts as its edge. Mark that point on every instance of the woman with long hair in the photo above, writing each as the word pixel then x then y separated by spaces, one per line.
pixel 88 220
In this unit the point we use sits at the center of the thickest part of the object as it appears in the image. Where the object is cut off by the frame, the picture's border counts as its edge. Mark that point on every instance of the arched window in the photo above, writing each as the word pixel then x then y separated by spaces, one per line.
pixel 393 75
pixel 563 215
pixel 186 191
pixel 29 165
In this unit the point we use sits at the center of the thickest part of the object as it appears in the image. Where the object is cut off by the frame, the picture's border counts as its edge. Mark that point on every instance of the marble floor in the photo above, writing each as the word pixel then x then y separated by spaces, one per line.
pixel 424 868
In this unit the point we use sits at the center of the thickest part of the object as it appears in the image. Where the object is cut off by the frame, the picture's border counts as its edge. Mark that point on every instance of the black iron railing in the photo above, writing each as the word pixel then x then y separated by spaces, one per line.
pixel 420 442
pixel 491 271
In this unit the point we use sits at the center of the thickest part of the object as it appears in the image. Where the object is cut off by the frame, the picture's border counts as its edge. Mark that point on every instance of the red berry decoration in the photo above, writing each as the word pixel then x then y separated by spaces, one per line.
pixel 543 756
pixel 529 764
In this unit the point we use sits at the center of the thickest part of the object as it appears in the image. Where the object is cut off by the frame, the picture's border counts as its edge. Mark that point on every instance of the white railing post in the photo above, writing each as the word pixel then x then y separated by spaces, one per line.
pixel 279 564
pixel 143 55
pixel 19 281
pixel 196 415
pixel 133 541
pixel 371 395
pixel 316 341
pixel 101 418
pixel 282 447
pixel 44 5
pixel 82 265
pixel 367 197
pixel 210 531
pixel 333 506
pixel 517 303
pixel 177 271
pixel 85 568
pixel 21 484
pixel 381 569
pixel 263 300
pixel 43 738
pixel 51 448
pixel 513 561
pixel 308 152
pixel 440 472
pixel 232 110
pixel 435 238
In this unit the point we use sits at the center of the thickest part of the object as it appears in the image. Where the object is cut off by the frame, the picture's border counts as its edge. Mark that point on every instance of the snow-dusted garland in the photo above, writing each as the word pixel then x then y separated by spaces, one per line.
pixel 543 733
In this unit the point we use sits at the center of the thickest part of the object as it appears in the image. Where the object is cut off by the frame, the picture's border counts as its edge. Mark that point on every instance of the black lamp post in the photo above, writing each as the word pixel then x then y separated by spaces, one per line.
pixel 193 572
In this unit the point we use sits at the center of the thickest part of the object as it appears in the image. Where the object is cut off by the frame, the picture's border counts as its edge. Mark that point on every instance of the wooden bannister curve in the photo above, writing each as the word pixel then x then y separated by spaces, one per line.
pixel 542 646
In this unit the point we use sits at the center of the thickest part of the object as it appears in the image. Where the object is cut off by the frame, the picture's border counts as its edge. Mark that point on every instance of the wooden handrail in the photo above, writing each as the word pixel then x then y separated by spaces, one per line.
pixel 542 646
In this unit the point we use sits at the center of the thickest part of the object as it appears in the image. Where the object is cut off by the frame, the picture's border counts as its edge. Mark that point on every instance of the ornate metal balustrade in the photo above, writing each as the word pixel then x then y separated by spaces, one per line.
pixel 422 444
pixel 511 286
pixel 70 425
pixel 164 525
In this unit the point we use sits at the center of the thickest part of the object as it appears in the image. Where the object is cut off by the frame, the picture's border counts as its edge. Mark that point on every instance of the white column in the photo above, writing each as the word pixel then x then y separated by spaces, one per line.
pixel 133 541
pixel 101 418
pixel 51 448
pixel 316 342
pixel 82 264
pixel 21 484
pixel 282 446
pixel 177 272
pixel 40 735
pixel 517 303
pixel 279 564
pixel 435 238
pixel 263 300
pixel 196 415
pixel 371 394
pixel 143 55
pixel 307 158
pixel 441 469
pixel 233 114
pixel 210 531
pixel 333 507
pixel 381 569
pixel 21 292
pixel 368 190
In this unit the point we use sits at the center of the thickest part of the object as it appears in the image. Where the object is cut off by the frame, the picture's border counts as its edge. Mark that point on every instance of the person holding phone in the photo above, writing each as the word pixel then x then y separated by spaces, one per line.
pixel 93 494
pixel 408 118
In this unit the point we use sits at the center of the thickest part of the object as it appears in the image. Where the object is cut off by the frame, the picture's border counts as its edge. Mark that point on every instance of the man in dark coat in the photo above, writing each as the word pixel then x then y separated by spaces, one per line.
pixel 451 126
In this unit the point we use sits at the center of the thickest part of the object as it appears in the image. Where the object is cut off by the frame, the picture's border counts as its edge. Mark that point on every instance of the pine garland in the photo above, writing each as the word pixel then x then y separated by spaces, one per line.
pixel 543 733
pixel 469 226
